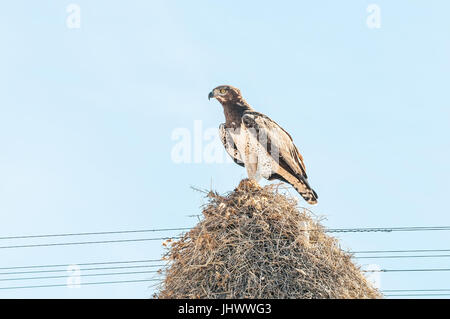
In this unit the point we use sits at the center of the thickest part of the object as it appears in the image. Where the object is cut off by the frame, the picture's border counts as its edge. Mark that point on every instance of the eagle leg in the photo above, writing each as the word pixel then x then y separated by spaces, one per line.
pixel 252 168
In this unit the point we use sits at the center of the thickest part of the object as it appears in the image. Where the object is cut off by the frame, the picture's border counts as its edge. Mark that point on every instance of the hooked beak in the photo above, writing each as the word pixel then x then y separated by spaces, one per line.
pixel 211 95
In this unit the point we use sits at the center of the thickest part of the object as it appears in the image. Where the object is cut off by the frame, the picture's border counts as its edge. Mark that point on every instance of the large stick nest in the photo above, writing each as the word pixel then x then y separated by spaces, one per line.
pixel 255 243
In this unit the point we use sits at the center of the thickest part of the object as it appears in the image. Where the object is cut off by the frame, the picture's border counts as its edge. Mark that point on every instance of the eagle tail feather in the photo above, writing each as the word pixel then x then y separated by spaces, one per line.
pixel 306 192
pixel 299 183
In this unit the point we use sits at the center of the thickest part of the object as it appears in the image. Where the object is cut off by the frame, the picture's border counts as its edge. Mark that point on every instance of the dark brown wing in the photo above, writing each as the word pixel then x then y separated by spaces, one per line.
pixel 279 143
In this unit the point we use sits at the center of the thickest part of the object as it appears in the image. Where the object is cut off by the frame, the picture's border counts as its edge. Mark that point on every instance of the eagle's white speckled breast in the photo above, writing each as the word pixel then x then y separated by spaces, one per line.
pixel 258 162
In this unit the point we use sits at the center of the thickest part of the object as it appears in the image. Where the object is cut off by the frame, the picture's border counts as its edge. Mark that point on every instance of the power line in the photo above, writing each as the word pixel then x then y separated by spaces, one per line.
pixel 400 251
pixel 167 238
pixel 401 256
pixel 145 261
pixel 118 232
pixel 407 270
pixel 83 264
pixel 82 284
pixel 415 290
pixel 163 265
pixel 329 230
pixel 88 242
pixel 85 269
pixel 130 264
pixel 416 295
pixel 385 229
pixel 85 275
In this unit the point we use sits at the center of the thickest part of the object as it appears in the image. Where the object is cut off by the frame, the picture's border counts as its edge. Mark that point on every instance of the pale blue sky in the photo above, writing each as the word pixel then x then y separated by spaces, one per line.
pixel 86 117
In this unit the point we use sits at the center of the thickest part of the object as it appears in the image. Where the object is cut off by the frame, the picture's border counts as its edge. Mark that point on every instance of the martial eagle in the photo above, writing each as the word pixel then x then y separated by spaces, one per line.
pixel 259 144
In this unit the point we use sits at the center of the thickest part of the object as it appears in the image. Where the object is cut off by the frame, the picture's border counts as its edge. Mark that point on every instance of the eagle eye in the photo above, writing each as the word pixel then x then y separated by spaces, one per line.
pixel 223 91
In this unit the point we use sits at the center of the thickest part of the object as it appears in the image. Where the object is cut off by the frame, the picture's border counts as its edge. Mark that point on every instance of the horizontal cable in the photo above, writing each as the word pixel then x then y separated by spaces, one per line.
pixel 88 242
pixel 83 264
pixel 385 229
pixel 159 260
pixel 96 233
pixel 407 270
pixel 84 275
pixel 415 290
pixel 416 295
pixel 400 251
pixel 401 256
pixel 81 284
pixel 158 265
pixel 329 230
pixel 82 269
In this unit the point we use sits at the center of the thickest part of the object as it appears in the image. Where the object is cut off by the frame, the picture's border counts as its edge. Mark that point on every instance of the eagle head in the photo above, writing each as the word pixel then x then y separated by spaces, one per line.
pixel 225 94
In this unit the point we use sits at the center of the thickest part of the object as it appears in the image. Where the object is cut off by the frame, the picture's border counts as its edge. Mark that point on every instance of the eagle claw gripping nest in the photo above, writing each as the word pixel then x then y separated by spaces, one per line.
pixel 255 243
